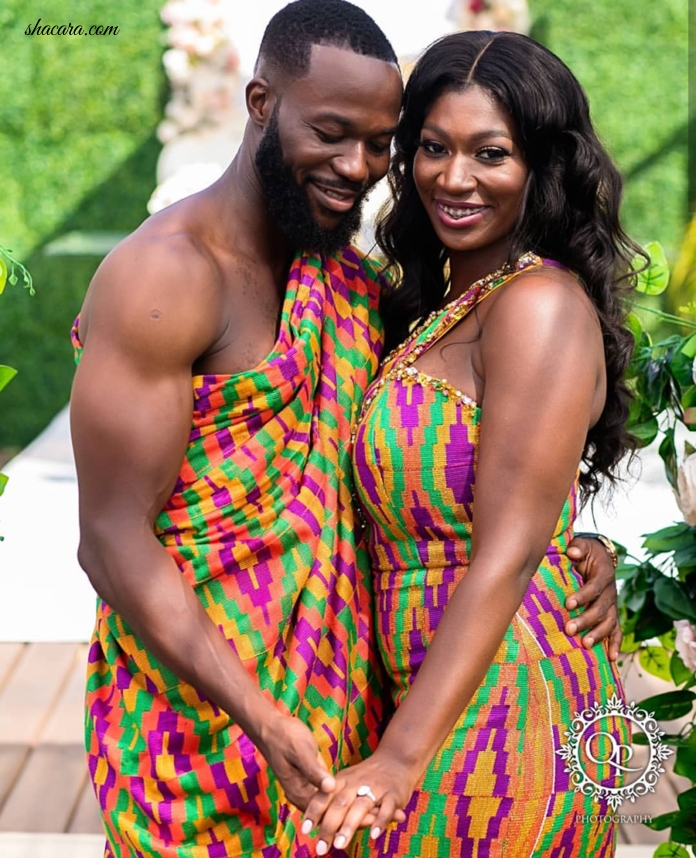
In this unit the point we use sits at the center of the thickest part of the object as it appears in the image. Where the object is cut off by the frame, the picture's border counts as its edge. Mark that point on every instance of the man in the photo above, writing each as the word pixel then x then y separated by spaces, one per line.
pixel 232 664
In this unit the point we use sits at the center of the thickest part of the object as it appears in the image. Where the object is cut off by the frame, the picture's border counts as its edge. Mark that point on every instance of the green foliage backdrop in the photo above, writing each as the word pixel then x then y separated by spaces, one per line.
pixel 77 152
pixel 632 58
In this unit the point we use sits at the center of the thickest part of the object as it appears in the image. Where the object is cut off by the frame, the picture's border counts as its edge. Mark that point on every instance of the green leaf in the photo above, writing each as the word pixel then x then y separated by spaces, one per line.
pixel 651 622
pixel 669 639
pixel 654 280
pixel 670 850
pixel 668 454
pixel 680 672
pixel 689 347
pixel 7 373
pixel 655 660
pixel 3 482
pixel 665 820
pixel 629 643
pixel 687 800
pixel 672 599
pixel 685 762
pixel 645 432
pixel 682 367
pixel 635 326
pixel 670 705
pixel 670 538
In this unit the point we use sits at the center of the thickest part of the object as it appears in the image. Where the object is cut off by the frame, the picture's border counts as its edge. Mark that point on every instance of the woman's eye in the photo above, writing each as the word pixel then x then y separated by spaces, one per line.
pixel 492 153
pixel 430 147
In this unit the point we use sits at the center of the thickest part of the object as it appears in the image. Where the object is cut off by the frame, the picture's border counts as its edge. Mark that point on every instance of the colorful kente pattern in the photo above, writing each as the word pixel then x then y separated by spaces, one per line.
pixel 261 524
pixel 497 787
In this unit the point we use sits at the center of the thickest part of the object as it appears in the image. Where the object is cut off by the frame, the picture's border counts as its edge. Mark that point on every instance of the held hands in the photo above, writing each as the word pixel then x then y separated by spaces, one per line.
pixel 291 752
pixel 372 793
pixel 597 595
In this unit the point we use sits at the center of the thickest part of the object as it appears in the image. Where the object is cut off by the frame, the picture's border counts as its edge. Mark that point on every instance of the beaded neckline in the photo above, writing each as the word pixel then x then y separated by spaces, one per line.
pixel 401 359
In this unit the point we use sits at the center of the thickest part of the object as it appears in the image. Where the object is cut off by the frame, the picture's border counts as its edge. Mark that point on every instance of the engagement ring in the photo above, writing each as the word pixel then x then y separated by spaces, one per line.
pixel 365 790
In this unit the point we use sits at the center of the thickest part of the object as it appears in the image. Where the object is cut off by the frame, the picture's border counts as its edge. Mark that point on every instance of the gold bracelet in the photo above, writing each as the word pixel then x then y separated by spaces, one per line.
pixel 606 542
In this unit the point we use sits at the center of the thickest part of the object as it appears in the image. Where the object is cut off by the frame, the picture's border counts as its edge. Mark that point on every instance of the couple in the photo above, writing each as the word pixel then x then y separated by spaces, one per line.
pixel 228 355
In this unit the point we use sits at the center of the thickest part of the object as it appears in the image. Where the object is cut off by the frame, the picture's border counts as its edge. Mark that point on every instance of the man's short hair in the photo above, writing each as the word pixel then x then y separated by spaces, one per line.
pixel 291 32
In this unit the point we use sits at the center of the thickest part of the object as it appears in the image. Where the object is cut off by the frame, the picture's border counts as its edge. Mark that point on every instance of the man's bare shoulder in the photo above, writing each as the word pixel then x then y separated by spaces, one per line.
pixel 158 289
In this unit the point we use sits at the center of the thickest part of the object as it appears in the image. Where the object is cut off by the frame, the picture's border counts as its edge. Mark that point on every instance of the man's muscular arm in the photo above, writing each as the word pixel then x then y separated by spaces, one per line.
pixel 152 310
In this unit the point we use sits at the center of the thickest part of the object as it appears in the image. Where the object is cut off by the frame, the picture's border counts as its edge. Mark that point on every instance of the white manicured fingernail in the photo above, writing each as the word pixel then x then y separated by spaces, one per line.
pixel 340 841
pixel 322 848
pixel 374 834
pixel 307 826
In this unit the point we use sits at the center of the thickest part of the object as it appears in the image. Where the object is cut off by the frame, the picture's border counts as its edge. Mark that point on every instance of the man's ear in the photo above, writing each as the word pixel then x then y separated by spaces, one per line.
pixel 260 101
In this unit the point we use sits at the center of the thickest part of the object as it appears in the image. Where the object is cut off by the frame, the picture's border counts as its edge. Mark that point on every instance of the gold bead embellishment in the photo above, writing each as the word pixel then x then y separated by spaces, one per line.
pixel 399 362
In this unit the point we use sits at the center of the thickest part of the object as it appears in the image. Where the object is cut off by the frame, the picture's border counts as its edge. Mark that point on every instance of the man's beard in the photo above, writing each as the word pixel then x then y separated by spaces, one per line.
pixel 288 203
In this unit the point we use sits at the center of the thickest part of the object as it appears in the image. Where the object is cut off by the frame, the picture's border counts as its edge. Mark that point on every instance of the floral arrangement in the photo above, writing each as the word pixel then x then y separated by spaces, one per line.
pixel 10 272
pixel 201 64
pixel 512 15
pixel 657 597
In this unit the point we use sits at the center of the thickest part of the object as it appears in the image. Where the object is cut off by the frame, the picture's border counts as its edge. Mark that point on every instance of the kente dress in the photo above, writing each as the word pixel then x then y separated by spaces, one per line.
pixel 497 787
pixel 261 523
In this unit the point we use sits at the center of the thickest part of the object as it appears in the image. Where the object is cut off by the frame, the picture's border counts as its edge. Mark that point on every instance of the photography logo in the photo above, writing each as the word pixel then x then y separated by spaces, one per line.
pixel 592 742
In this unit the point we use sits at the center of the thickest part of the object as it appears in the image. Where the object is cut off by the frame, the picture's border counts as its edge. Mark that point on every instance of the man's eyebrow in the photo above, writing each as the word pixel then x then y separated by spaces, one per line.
pixel 349 125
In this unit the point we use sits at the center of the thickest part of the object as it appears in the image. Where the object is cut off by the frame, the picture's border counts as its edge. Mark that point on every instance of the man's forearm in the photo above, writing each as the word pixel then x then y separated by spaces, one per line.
pixel 161 607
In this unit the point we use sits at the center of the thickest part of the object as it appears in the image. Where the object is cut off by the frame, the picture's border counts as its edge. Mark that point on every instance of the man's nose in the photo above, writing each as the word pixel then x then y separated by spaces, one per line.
pixel 352 164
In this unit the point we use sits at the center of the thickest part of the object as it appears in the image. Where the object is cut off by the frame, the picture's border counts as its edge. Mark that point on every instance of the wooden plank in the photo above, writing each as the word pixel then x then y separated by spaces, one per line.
pixel 65 725
pixel 87 818
pixel 12 758
pixel 31 690
pixel 9 655
pixel 45 796
pixel 21 845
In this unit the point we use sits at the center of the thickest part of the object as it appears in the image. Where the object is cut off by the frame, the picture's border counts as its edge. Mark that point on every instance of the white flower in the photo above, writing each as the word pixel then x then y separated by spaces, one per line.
pixel 686 489
pixel 693 371
pixel 188 179
pixel 177 66
pixel 686 643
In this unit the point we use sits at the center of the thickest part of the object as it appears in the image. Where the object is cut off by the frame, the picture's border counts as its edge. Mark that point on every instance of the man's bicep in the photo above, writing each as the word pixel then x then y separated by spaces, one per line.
pixel 130 430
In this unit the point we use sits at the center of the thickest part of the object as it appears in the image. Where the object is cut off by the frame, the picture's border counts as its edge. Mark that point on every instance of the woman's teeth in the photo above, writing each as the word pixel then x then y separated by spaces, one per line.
pixel 457 213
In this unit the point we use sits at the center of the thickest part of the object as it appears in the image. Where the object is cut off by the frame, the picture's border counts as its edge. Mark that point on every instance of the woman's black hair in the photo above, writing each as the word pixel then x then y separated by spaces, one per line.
pixel 570 211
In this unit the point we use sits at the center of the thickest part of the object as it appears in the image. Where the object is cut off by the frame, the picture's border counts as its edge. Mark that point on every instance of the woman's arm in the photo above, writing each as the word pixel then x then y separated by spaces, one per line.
pixel 542 355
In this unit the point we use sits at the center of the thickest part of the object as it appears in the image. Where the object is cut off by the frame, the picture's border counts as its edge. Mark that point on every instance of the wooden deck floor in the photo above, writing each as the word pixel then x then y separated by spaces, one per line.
pixel 44 786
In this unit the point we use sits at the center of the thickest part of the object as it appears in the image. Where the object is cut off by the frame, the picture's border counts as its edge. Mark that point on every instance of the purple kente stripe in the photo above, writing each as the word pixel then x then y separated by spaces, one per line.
pixel 306 638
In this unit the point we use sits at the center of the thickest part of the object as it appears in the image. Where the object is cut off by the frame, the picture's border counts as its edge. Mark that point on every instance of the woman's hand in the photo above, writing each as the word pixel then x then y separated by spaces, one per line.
pixel 291 751
pixel 597 595
pixel 372 793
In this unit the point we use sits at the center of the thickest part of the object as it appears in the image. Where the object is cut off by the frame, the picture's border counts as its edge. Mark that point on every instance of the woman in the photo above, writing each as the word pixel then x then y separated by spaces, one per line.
pixel 505 230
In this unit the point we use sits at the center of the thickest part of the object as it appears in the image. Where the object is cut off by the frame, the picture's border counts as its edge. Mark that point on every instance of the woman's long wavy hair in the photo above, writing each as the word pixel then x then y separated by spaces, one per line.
pixel 570 210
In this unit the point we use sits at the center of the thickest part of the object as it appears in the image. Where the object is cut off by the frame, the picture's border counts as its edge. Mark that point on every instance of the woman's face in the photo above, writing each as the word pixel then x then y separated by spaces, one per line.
pixel 470 173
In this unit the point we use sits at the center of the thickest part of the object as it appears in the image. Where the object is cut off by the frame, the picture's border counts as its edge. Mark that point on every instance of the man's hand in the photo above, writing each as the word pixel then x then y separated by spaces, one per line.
pixel 291 752
pixel 598 596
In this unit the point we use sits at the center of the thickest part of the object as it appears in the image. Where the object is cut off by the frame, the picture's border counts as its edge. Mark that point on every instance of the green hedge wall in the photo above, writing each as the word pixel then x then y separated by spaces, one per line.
pixel 77 152
pixel 632 58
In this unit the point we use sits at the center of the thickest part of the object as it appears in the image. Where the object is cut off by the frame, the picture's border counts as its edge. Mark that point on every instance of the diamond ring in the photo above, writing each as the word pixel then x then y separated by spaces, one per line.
pixel 365 790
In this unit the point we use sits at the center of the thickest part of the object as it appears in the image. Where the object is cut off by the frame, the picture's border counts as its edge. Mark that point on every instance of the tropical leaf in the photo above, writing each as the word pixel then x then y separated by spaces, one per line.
pixel 655 660
pixel 654 279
